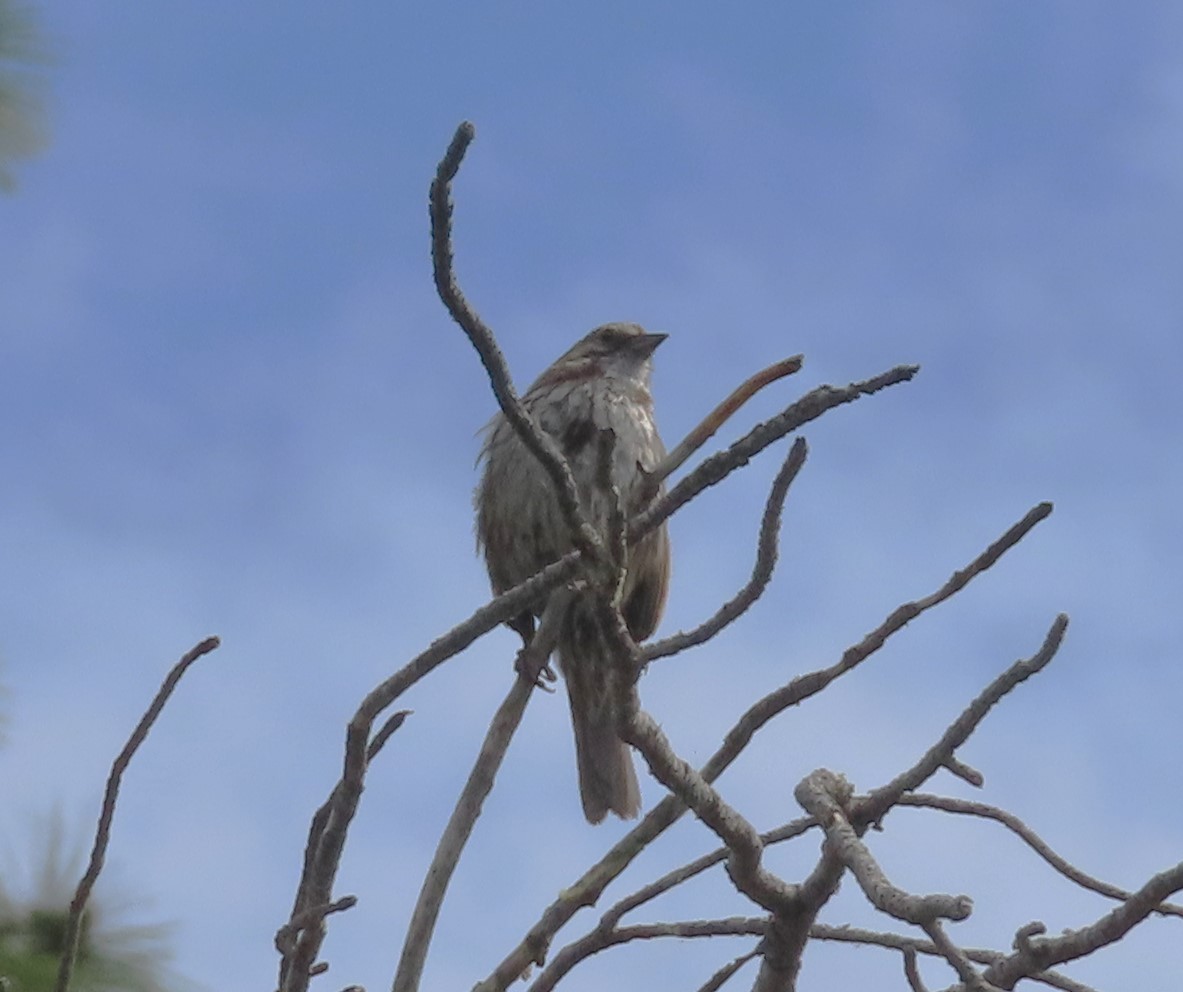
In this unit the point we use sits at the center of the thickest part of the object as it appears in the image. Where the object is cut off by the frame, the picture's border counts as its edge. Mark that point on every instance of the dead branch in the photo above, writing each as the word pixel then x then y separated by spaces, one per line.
pixel 480 783
pixel 684 873
pixel 597 941
pixel 102 837
pixel 727 972
pixel 766 555
pixel 745 851
pixel 586 890
pixel 285 937
pixel 970 776
pixel 957 958
pixel 784 945
pixel 638 728
pixel 793 917
pixel 743 841
pixel 786 939
pixel 378 741
pixel 874 806
pixel 718 416
pixel 720 465
pixel 1034 956
pixel 912 971
pixel 330 824
pixel 898 942
pixel 970 807
pixel 826 796
pixel 584 536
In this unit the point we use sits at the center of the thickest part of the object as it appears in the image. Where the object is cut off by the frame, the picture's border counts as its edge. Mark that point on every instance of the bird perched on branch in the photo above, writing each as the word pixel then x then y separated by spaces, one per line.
pixel 599 388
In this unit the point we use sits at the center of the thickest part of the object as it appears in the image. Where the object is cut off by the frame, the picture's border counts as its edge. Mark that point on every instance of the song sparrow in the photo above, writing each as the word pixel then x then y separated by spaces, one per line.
pixel 601 383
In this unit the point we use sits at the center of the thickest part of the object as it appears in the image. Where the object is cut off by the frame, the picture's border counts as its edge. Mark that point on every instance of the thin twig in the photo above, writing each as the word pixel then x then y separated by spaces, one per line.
pixel 378 741
pixel 872 807
pixel 684 873
pixel 480 782
pixel 1053 979
pixel 957 958
pixel 969 807
pixel 912 971
pixel 612 916
pixel 583 535
pixel 766 555
pixel 727 972
pixel 894 942
pixel 715 469
pixel 638 728
pixel 103 832
pixel 595 942
pixel 1037 955
pixel 898 942
pixel 285 937
pixel 718 416
pixel 971 776
pixel 805 686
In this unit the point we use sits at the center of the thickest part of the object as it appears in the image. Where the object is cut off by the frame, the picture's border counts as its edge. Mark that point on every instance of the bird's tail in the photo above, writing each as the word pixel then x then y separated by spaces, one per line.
pixel 607 779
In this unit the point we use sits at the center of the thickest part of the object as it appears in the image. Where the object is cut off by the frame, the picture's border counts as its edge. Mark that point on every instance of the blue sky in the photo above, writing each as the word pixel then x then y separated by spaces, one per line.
pixel 235 406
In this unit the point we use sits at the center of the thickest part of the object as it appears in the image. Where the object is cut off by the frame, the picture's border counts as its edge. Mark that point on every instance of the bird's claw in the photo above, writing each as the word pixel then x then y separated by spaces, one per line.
pixel 544 677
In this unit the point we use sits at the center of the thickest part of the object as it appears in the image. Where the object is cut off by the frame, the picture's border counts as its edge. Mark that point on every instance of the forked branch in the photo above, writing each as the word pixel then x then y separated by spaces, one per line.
pixel 586 890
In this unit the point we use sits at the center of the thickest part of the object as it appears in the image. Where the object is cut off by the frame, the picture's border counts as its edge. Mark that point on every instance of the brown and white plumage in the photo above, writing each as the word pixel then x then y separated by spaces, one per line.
pixel 602 382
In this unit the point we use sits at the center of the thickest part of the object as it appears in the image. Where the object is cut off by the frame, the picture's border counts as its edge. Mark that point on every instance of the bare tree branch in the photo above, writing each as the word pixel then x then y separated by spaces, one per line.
pixel 805 686
pixel 285 937
pixel 378 741
pixel 742 839
pixel 971 776
pixel 598 940
pixel 330 824
pixel 718 416
pixel 825 796
pixel 898 942
pixel 727 972
pixel 786 939
pixel 745 858
pixel 107 814
pixel 586 890
pixel 957 958
pixel 684 873
pixel 476 790
pixel 872 808
pixel 789 932
pixel 912 971
pixel 969 807
pixel 638 728
pixel 766 554
pixel 1037 955
pixel 584 536
pixel 721 464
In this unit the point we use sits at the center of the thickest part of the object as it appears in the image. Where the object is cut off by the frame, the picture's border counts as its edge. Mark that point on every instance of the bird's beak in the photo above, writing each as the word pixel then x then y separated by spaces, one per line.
pixel 646 344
